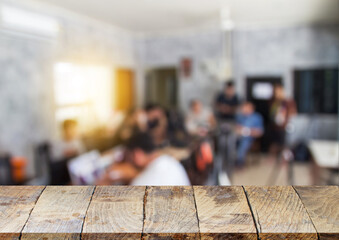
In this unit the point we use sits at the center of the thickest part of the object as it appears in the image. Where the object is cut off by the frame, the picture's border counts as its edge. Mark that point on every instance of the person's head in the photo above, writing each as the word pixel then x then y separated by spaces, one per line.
pixel 70 129
pixel 247 108
pixel 136 117
pixel 195 106
pixel 155 115
pixel 229 89
pixel 141 149
pixel 279 92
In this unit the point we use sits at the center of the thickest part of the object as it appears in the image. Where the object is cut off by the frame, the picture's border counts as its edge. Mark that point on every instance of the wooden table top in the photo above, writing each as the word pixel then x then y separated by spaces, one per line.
pixel 198 212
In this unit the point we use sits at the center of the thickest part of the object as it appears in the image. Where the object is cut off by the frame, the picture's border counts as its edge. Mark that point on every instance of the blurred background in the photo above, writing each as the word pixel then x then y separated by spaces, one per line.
pixel 217 92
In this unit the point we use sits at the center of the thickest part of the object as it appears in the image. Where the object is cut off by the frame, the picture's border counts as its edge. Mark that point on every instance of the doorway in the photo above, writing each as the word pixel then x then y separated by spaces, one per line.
pixel 260 92
pixel 124 89
pixel 162 87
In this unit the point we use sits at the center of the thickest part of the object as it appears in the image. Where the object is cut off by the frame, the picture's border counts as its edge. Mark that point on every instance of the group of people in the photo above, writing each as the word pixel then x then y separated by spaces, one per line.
pixel 241 117
pixel 144 132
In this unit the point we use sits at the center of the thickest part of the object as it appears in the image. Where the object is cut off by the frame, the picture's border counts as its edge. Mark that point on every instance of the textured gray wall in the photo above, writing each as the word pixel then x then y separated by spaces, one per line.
pixel 26 74
pixel 280 51
pixel 25 96
pixel 255 52
pixel 167 51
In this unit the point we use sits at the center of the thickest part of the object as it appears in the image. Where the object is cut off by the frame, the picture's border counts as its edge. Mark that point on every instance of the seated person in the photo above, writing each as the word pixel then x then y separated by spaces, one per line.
pixel 226 103
pixel 156 169
pixel 157 124
pixel 199 120
pixel 71 144
pixel 249 126
pixel 135 121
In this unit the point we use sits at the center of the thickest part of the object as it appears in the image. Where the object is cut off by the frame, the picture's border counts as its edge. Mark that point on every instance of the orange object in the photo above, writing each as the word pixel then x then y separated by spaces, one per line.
pixel 18 168
pixel 205 156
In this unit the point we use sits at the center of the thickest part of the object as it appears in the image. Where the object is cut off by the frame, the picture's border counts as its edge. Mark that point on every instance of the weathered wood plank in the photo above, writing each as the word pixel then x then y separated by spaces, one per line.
pixel 223 213
pixel 59 213
pixel 279 213
pixel 170 214
pixel 16 203
pixel 322 204
pixel 115 213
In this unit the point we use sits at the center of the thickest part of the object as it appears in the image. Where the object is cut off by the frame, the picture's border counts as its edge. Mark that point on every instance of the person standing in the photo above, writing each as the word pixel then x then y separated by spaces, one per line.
pixel 226 103
pixel 281 110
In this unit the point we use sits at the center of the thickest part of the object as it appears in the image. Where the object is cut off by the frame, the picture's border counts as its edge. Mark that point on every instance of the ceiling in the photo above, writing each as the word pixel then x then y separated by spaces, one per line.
pixel 166 15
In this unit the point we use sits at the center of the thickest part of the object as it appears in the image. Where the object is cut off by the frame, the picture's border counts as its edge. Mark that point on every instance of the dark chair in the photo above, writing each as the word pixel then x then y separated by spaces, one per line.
pixel 56 172
pixel 59 172
pixel 6 177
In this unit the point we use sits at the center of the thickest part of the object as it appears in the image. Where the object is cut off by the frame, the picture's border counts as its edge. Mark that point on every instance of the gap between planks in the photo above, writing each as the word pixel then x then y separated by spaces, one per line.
pixel 29 215
pixel 252 213
pixel 144 212
pixel 89 203
pixel 308 214
pixel 196 211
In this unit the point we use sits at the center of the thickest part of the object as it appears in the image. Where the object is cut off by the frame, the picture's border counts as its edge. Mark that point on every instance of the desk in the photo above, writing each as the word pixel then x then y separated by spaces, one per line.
pixel 325 156
pixel 199 212
pixel 325 153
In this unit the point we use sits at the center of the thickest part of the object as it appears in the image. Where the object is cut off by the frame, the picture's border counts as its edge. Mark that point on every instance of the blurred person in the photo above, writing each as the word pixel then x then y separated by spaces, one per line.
pixel 199 120
pixel 281 109
pixel 156 168
pixel 177 133
pixel 249 125
pixel 227 102
pixel 157 124
pixel 135 121
pixel 71 144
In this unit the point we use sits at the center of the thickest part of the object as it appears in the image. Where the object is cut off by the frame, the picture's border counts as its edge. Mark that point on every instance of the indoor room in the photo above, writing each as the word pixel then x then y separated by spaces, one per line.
pixel 180 92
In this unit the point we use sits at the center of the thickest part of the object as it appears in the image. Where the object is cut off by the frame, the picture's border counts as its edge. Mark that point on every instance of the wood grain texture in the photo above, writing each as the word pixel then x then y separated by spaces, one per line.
pixel 322 204
pixel 224 213
pixel 16 203
pixel 59 213
pixel 126 212
pixel 115 213
pixel 279 213
pixel 170 214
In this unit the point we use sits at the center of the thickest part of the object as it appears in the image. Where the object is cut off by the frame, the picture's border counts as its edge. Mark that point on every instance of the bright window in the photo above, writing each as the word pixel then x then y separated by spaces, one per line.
pixel 83 92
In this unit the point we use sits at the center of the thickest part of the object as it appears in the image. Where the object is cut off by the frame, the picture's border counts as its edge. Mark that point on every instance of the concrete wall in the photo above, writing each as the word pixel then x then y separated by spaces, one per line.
pixel 26 72
pixel 256 52
pixel 280 51
pixel 167 51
